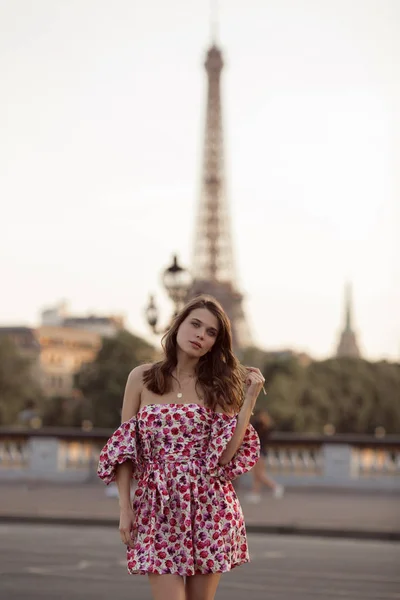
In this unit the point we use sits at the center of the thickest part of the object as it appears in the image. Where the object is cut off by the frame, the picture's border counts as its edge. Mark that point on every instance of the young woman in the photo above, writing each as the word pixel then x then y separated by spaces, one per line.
pixel 185 435
pixel 263 425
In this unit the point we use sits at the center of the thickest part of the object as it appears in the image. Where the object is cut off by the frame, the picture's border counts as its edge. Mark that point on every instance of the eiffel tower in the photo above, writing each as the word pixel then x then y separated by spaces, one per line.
pixel 213 266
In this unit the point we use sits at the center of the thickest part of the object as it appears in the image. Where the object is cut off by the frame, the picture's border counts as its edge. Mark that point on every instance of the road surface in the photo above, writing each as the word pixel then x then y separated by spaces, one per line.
pixel 72 563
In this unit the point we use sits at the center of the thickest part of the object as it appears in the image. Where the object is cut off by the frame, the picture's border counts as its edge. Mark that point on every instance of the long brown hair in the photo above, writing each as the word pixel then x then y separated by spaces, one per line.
pixel 218 372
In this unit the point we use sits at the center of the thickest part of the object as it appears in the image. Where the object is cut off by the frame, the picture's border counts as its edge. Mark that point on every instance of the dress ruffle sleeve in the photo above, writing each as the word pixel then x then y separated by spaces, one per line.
pixel 123 445
pixel 246 456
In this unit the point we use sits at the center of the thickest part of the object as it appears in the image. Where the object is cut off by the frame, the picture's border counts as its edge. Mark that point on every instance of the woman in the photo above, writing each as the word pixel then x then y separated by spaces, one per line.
pixel 185 435
pixel 263 425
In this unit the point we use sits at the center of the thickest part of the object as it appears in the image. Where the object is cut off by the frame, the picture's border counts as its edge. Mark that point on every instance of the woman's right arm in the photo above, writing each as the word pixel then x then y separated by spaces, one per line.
pixel 123 477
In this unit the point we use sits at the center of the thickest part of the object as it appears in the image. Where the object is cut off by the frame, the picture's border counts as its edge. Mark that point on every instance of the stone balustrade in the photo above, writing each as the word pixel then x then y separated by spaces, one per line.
pixel 62 455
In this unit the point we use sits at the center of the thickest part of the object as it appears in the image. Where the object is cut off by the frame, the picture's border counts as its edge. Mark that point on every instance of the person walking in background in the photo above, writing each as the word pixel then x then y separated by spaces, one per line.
pixel 29 416
pixel 263 425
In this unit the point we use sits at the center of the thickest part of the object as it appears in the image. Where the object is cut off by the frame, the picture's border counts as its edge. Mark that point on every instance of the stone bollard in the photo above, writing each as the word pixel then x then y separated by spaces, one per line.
pixel 43 458
pixel 337 463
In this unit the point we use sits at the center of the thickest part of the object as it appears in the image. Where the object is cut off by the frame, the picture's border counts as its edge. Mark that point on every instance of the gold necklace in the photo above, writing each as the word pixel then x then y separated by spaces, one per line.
pixel 180 393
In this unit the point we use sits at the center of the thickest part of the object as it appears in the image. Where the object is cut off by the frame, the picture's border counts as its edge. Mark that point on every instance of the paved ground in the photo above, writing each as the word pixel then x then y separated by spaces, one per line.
pixel 306 511
pixel 71 563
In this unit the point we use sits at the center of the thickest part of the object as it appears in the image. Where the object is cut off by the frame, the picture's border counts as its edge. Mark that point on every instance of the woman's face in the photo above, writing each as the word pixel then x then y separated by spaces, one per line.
pixel 198 332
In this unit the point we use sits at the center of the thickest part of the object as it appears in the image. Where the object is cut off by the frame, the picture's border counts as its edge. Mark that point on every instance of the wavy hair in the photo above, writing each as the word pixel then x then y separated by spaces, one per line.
pixel 219 374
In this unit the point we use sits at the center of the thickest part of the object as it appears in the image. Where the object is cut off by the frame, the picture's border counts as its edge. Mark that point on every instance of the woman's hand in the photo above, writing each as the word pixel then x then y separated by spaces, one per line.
pixel 254 384
pixel 127 526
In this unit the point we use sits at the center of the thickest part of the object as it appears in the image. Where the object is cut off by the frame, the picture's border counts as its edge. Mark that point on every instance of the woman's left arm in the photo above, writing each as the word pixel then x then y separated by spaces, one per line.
pixel 254 385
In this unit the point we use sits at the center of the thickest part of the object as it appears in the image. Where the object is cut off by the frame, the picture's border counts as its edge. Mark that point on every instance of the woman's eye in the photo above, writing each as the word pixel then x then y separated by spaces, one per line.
pixel 195 324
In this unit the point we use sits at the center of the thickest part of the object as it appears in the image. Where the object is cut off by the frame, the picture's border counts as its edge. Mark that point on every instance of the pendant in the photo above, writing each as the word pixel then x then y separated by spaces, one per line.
pixel 179 395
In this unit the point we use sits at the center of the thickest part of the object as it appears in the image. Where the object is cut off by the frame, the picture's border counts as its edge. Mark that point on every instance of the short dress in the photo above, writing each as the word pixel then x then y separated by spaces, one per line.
pixel 188 516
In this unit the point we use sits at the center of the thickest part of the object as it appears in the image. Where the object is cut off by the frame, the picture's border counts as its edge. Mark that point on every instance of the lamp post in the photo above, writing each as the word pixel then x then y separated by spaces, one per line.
pixel 177 282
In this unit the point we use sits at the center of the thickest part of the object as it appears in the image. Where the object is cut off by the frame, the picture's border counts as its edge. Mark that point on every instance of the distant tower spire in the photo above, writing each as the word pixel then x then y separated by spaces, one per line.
pixel 348 295
pixel 213 263
pixel 214 21
pixel 348 341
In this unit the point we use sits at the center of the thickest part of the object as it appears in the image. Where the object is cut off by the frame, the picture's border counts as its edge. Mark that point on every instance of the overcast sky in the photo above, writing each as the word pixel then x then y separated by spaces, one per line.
pixel 102 117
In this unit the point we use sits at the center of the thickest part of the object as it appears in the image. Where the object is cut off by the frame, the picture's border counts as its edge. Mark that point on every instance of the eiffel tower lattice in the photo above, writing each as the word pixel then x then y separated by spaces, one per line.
pixel 213 266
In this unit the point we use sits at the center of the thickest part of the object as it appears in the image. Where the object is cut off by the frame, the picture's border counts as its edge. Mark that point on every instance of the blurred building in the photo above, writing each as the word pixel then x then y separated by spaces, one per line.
pixel 105 326
pixel 61 345
pixel 348 345
pixel 63 352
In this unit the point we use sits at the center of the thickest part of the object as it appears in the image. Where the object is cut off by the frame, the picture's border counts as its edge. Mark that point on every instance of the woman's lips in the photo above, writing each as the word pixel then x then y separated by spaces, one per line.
pixel 196 345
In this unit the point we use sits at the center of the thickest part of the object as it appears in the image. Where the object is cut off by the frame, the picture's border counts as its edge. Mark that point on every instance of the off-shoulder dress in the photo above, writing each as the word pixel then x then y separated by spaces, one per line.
pixel 188 516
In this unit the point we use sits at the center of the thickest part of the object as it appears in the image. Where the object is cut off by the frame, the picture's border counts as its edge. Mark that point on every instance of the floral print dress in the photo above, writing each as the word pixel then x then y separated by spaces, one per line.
pixel 188 516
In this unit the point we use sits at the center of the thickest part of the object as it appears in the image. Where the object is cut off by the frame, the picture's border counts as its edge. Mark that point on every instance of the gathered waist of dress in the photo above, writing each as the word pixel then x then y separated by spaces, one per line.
pixel 158 471
pixel 171 460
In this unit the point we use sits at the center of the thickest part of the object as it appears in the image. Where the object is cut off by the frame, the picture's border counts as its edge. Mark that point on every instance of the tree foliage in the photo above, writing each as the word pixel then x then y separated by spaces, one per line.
pixel 352 395
pixel 102 382
pixel 18 383
pixel 67 411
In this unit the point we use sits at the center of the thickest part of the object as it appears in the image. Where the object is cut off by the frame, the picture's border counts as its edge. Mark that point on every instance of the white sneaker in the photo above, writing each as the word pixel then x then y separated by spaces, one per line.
pixel 279 491
pixel 253 498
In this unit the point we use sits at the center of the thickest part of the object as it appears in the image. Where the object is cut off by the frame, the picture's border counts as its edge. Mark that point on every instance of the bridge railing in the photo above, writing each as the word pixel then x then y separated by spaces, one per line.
pixel 341 460
pixel 62 455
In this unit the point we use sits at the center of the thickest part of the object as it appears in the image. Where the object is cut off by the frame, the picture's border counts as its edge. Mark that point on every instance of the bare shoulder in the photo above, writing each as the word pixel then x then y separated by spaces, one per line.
pixel 228 411
pixel 229 414
pixel 136 375
pixel 133 391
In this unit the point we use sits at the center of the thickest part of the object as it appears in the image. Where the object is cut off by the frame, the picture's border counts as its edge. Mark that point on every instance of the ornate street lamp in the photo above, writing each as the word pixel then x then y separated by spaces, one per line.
pixel 177 282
